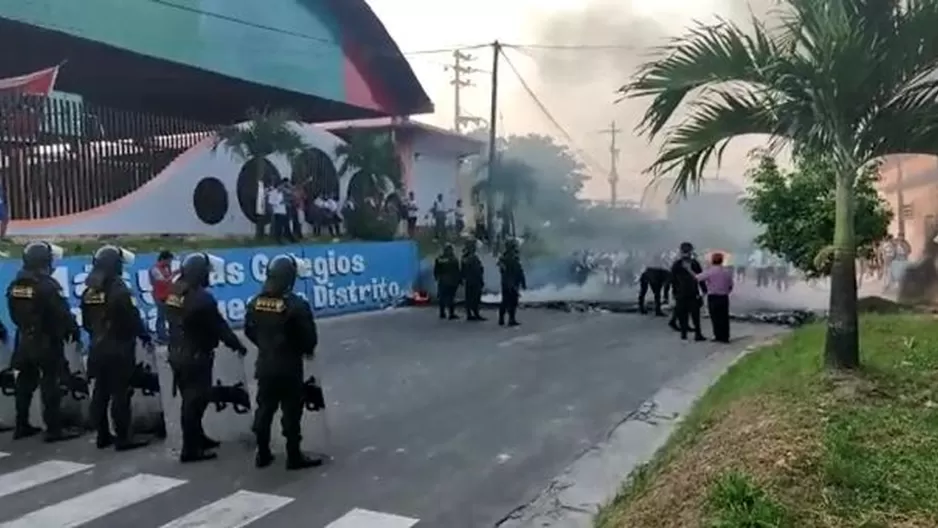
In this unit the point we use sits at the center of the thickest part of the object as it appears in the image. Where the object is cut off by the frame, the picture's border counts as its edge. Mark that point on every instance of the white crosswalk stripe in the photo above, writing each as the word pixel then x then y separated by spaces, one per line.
pixel 238 510
pixel 94 504
pixel 37 475
pixel 234 511
pixel 359 518
pixel 2 454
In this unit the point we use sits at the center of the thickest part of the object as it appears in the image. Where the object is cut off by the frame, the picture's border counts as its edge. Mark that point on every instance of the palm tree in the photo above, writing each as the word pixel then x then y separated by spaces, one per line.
pixel 512 181
pixel 264 134
pixel 375 166
pixel 845 78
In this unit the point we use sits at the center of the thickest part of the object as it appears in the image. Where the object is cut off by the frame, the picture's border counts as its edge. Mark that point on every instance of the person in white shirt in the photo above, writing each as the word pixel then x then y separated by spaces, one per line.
pixel 438 213
pixel 320 215
pixel 412 213
pixel 334 220
pixel 278 209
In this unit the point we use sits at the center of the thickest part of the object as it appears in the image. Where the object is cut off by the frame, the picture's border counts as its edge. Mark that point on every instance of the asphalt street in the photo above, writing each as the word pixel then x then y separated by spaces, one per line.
pixel 443 424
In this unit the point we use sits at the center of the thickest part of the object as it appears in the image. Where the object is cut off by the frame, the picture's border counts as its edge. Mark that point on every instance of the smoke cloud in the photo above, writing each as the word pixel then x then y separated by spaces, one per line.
pixel 580 84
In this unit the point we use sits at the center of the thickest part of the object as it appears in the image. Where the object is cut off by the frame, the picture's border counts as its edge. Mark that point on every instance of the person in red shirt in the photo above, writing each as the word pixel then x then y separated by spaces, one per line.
pixel 161 278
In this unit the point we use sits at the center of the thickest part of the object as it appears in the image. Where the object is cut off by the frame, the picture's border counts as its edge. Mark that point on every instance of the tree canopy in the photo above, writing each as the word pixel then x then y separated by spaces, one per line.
pixel 796 209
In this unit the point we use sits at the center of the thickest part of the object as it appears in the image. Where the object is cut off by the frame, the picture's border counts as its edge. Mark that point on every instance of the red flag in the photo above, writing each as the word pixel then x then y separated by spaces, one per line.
pixel 37 83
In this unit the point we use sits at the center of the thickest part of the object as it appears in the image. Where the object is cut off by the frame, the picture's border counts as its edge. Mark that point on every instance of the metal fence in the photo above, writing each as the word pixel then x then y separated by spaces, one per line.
pixel 60 155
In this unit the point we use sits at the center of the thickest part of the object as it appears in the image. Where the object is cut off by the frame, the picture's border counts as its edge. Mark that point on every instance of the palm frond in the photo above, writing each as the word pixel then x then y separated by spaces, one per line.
pixel 265 133
pixel 706 55
pixel 715 119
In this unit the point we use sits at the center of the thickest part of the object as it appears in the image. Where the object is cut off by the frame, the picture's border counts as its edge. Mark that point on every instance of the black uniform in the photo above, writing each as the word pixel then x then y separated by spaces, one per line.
pixel 513 281
pixel 659 281
pixel 687 295
pixel 473 276
pixel 447 274
pixel 281 324
pixel 195 329
pixel 113 322
pixel 43 324
pixel 4 338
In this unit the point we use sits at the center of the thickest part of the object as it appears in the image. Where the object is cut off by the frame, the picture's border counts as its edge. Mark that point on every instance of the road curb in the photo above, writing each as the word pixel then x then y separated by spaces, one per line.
pixel 572 499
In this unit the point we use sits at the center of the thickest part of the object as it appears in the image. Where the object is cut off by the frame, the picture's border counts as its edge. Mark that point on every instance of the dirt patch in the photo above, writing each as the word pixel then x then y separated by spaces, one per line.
pixel 775 445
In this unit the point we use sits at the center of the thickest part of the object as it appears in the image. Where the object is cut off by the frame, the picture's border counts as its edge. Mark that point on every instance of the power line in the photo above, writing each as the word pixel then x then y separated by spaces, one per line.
pixel 575 47
pixel 527 88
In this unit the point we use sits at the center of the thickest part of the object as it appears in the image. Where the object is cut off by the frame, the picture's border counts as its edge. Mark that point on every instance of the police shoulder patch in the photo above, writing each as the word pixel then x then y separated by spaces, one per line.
pixel 174 300
pixel 93 297
pixel 270 304
pixel 22 292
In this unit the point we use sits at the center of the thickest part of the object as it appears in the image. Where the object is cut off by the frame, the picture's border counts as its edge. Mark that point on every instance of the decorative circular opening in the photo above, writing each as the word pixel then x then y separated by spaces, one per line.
pixel 247 186
pixel 210 200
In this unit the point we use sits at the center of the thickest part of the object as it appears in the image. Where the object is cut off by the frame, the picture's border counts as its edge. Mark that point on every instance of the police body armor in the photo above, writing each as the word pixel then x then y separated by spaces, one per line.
pixel 35 335
pixel 272 320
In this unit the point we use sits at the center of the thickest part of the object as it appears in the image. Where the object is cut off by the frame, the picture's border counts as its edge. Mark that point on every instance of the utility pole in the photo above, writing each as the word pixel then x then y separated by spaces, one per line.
pixel 459 82
pixel 613 162
pixel 493 155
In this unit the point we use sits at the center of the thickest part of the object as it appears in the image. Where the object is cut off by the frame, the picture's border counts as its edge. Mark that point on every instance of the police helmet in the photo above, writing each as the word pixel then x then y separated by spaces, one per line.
pixel 40 255
pixel 112 259
pixel 197 267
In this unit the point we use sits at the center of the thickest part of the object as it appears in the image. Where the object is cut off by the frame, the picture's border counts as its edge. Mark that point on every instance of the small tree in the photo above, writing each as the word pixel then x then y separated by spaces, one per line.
pixel 512 182
pixel 265 133
pixel 377 174
pixel 797 210
pixel 375 167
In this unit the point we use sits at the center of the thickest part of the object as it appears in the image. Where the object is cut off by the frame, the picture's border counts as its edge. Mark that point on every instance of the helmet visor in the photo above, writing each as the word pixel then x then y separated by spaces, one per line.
pixel 127 256
pixel 304 266
pixel 58 252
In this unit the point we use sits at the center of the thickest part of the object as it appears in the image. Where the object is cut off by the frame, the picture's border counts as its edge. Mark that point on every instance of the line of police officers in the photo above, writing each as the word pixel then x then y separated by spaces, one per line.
pixel 450 273
pixel 277 321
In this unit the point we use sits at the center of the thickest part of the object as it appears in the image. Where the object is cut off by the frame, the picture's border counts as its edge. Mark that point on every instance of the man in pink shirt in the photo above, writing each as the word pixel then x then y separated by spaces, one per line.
pixel 719 281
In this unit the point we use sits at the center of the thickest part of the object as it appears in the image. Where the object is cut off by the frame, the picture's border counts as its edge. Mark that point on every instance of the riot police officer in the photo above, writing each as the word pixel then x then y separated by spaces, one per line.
pixel 281 324
pixel 43 323
pixel 473 276
pixel 195 329
pixel 113 322
pixel 4 339
pixel 513 281
pixel 448 276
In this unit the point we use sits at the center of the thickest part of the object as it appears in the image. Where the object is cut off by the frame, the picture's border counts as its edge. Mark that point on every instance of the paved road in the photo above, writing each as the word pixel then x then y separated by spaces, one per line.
pixel 450 424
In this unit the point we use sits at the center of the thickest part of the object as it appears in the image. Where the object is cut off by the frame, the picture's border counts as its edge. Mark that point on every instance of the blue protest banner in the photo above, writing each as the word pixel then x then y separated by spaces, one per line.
pixel 347 277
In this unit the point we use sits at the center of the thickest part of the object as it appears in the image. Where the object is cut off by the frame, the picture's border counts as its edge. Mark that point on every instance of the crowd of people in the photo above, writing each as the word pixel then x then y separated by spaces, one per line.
pixel 277 321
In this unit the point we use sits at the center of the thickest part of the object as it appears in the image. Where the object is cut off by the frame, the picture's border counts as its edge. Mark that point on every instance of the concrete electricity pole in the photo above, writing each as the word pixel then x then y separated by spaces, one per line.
pixel 613 162
pixel 493 155
pixel 459 81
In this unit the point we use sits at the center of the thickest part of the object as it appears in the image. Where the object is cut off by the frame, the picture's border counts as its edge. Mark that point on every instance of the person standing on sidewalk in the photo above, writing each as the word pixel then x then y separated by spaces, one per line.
pixel 719 281
pixel 161 278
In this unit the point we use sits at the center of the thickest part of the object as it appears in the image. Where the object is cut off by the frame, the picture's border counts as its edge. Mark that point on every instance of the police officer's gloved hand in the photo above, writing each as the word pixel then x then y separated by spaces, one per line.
pixel 241 350
pixel 146 339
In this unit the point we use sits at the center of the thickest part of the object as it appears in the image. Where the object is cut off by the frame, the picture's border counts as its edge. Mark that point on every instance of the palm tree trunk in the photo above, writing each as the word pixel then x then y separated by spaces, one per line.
pixel 261 218
pixel 842 347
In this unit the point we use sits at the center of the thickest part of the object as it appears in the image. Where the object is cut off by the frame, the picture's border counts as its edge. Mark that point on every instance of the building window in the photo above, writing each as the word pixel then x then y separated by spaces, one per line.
pixel 907 211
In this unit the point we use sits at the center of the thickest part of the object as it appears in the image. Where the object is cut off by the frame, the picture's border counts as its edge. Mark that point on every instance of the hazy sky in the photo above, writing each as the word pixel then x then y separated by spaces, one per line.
pixel 576 86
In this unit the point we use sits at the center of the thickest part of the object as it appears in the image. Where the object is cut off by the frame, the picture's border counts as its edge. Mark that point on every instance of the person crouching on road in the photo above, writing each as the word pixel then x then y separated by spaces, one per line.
pixel 280 323
pixel 513 281
pixel 448 275
pixel 719 281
